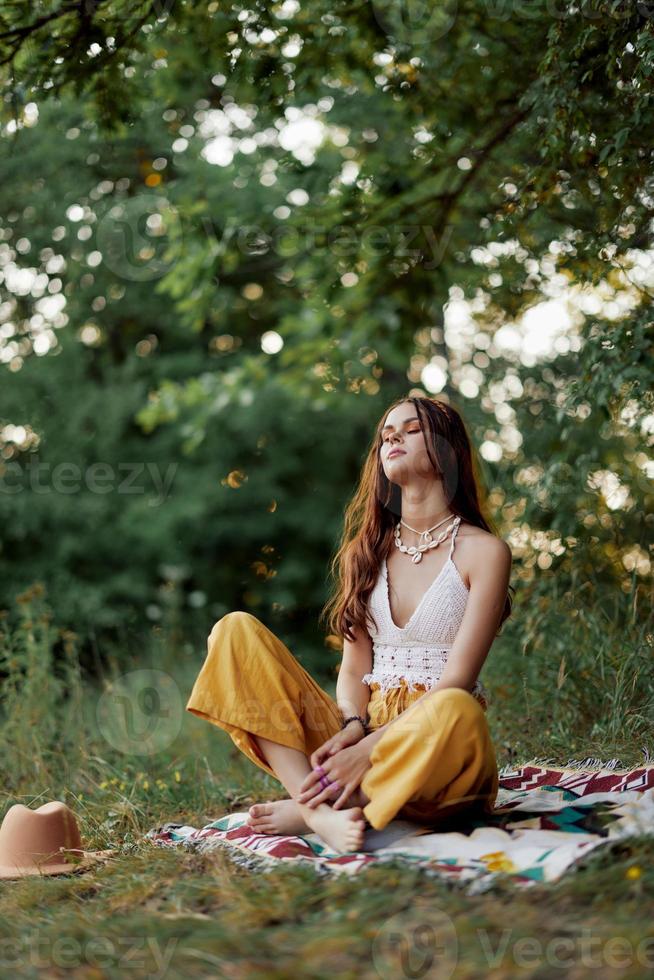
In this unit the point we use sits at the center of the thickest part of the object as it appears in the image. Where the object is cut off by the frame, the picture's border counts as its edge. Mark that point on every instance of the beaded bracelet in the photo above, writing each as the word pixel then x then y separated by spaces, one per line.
pixel 357 718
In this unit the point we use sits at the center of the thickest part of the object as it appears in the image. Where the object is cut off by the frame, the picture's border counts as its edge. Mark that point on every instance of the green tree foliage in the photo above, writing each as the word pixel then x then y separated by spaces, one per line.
pixel 383 198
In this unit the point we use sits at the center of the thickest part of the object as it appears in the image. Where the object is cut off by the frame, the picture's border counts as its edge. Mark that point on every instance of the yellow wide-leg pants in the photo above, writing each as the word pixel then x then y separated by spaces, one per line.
pixel 437 760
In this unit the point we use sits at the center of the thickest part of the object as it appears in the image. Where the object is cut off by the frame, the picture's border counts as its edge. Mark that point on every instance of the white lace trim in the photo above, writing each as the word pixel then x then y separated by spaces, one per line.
pixel 389 681
pixel 389 658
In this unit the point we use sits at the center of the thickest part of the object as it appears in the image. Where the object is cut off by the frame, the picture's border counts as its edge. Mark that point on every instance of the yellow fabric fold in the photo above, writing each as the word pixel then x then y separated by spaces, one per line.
pixel 437 760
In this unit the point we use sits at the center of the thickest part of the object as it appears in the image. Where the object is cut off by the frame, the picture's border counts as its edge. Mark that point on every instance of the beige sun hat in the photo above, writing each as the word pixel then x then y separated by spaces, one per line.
pixel 42 842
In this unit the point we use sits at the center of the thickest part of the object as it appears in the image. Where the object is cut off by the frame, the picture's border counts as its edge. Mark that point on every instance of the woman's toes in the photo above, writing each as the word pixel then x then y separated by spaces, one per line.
pixel 258 810
pixel 276 817
pixel 260 814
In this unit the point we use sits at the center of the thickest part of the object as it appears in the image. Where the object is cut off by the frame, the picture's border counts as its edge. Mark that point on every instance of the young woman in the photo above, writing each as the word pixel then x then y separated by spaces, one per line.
pixel 417 620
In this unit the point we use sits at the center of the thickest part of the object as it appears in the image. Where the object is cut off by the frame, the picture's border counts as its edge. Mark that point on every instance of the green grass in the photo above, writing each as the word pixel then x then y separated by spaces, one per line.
pixel 154 912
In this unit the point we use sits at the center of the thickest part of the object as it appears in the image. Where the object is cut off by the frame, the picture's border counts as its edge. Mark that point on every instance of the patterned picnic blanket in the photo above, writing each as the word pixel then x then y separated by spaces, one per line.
pixel 545 820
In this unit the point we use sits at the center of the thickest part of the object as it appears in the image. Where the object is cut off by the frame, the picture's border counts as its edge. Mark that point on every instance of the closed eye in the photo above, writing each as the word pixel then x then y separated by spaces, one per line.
pixel 409 432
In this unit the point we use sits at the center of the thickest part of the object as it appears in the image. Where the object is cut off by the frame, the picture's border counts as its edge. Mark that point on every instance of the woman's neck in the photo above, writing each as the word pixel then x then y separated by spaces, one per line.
pixel 422 518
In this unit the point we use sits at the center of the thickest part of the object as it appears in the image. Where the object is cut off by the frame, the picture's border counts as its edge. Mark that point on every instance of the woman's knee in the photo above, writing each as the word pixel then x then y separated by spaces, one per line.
pixel 237 619
pixel 460 699
pixel 454 702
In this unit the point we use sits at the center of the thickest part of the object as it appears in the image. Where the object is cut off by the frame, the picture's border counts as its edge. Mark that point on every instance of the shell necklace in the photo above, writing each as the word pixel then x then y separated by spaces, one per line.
pixel 417 551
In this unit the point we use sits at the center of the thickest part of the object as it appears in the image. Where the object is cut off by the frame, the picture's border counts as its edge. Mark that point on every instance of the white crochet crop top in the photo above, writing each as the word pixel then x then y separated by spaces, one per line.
pixel 418 651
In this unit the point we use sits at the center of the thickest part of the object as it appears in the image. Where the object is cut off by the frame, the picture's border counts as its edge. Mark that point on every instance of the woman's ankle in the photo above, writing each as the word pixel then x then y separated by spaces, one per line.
pixel 310 811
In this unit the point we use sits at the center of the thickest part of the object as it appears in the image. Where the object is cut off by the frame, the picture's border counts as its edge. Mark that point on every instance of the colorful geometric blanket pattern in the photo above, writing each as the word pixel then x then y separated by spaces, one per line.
pixel 546 819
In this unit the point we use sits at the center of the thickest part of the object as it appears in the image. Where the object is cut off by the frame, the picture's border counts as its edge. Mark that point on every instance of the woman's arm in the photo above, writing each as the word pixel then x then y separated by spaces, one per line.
pixel 351 695
pixel 489 584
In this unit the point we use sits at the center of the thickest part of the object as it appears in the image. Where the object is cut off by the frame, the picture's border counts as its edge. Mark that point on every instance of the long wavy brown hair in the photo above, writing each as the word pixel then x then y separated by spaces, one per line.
pixel 375 508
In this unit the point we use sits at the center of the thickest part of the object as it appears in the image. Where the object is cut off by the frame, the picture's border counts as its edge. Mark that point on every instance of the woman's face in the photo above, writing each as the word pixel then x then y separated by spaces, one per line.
pixel 403 450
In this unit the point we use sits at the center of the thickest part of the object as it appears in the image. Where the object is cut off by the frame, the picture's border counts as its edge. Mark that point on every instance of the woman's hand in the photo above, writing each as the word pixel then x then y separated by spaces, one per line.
pixel 346 768
pixel 350 735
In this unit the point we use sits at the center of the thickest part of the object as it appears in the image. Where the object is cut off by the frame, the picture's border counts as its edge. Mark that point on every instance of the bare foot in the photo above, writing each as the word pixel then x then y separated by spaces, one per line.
pixel 277 817
pixel 342 830
pixel 285 816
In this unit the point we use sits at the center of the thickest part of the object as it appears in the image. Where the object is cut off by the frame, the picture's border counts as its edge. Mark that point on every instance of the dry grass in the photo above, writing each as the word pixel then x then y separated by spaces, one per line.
pixel 149 912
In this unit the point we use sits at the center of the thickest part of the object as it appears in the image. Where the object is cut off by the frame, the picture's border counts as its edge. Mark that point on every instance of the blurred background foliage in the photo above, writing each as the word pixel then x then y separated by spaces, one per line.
pixel 231 235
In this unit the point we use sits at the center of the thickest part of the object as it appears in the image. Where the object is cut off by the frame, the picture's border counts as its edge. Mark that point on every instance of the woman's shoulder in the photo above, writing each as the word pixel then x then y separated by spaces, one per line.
pixel 479 538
